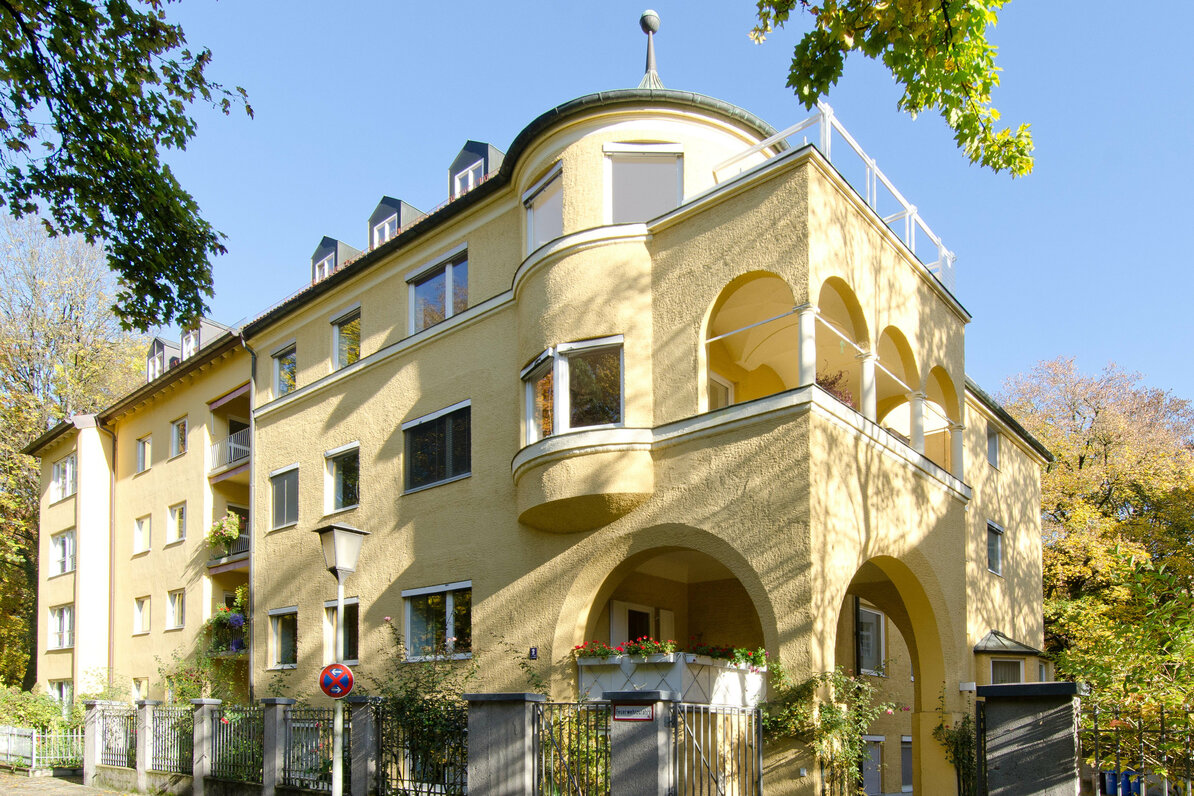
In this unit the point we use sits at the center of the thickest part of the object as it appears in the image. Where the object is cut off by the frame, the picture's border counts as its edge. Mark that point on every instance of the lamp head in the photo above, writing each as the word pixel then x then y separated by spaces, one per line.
pixel 341 547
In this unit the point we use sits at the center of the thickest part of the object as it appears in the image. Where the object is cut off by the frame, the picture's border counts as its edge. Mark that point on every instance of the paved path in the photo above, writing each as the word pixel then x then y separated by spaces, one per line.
pixel 20 785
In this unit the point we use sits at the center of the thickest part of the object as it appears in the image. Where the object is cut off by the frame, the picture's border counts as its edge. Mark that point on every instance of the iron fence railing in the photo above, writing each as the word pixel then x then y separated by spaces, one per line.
pixel 422 752
pixel 1131 751
pixel 717 750
pixel 238 733
pixel 118 736
pixel 24 747
pixel 231 450
pixel 173 739
pixel 571 748
pixel 309 742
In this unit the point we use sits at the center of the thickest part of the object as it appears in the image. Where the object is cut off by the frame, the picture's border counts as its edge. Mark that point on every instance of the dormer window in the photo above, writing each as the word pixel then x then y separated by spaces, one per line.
pixel 468 179
pixel 190 343
pixel 643 181
pixel 385 230
pixel 324 268
pixel 155 364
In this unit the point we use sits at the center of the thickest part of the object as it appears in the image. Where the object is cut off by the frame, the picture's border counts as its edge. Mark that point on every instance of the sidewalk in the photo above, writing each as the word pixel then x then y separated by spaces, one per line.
pixel 12 783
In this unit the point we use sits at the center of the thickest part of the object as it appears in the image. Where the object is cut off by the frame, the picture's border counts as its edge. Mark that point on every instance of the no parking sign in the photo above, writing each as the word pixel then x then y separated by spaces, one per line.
pixel 336 680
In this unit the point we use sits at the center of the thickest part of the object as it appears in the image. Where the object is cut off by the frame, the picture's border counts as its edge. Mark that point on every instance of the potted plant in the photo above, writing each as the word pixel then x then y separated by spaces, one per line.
pixel 224 532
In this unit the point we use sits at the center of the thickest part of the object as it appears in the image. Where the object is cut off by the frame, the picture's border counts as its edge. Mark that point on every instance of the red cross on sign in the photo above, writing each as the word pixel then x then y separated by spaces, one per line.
pixel 336 680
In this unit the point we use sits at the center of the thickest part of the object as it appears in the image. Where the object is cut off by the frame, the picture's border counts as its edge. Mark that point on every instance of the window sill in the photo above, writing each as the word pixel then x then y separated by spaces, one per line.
pixel 139 553
pixel 59 500
pixel 283 527
pixel 141 633
pixel 872 673
pixel 174 542
pixel 175 629
pixel 349 662
pixel 282 667
pixel 456 656
pixel 60 649
pixel 142 472
pixel 176 455
pixel 334 512
pixel 59 575
pixel 434 484
pixel 996 573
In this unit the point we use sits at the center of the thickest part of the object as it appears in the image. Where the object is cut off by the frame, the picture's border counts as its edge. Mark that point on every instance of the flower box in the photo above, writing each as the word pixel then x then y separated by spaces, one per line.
pixel 697 678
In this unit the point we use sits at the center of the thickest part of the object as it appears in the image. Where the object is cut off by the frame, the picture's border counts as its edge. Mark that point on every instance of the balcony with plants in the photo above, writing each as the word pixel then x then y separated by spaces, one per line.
pixel 226 631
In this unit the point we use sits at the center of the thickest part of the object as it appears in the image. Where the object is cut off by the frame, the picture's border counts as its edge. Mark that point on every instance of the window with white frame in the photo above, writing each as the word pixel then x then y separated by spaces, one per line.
pixel 905 763
pixel 324 268
pixel 385 230
pixel 176 609
pixel 992 444
pixel 62 627
pixel 468 178
pixel 142 533
pixel 283 637
pixel 1006 671
pixel 573 386
pixel 343 477
pixel 284 486
pixel 62 692
pixel 994 548
pixel 347 344
pixel 544 204
pixel 63 477
pixel 144 452
pixel 62 548
pixel 438 292
pixel 439 446
pixel 178 437
pixel 177 530
pixel 352 616
pixel 721 392
pixel 439 620
pixel 140 689
pixel 140 615
pixel 285 370
pixel 190 343
pixel 870 640
pixel 643 181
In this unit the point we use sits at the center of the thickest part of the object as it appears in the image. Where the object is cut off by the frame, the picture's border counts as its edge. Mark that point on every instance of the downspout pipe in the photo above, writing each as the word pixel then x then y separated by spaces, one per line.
pixel 111 555
pixel 252 505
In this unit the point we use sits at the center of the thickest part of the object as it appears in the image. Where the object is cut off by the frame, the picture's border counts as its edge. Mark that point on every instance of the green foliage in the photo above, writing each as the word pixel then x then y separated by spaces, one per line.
pixel 961 750
pixel 224 531
pixel 938 51
pixel 198 676
pixel 31 709
pixel 92 92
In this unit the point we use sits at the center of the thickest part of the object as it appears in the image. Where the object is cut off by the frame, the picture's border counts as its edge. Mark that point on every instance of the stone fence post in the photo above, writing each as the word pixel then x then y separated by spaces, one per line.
pixel 1031 738
pixel 640 747
pixel 204 744
pixel 145 741
pixel 501 744
pixel 364 744
pixel 91 738
pixel 273 761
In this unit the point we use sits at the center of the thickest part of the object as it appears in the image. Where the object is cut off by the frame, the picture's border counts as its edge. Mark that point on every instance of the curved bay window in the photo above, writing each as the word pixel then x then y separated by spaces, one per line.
pixel 573 386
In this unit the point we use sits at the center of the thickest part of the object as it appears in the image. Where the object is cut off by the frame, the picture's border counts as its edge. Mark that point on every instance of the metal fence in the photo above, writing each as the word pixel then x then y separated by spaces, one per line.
pixel 173 739
pixel 422 750
pixel 571 748
pixel 238 733
pixel 23 747
pixel 1137 751
pixel 118 736
pixel 717 750
pixel 308 752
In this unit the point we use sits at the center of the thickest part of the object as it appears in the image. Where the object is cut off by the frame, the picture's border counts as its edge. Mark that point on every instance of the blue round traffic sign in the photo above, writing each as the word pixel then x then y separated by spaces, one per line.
pixel 336 680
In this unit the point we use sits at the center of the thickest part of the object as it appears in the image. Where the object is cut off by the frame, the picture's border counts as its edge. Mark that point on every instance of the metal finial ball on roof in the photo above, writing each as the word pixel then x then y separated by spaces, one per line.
pixel 649 22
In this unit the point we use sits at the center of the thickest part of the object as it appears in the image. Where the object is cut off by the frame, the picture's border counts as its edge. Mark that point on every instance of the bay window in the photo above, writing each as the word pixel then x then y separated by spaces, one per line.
pixel 574 386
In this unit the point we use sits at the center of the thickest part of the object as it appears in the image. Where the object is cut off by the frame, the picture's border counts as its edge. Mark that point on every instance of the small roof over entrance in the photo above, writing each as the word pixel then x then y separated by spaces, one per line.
pixel 998 642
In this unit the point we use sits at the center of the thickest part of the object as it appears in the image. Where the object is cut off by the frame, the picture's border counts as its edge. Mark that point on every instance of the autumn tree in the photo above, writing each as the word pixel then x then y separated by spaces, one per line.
pixel 937 50
pixel 62 352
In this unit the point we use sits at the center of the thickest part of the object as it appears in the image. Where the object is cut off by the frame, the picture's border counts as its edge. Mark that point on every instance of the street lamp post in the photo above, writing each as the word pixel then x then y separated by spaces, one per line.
pixel 341 550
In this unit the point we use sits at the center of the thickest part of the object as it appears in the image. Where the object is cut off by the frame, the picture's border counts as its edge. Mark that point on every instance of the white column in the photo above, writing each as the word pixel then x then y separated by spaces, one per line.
pixel 806 354
pixel 917 419
pixel 957 444
pixel 868 386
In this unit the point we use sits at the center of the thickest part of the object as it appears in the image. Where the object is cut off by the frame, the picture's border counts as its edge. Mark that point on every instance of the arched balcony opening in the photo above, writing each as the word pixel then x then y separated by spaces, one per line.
pixel 841 344
pixel 896 379
pixel 943 429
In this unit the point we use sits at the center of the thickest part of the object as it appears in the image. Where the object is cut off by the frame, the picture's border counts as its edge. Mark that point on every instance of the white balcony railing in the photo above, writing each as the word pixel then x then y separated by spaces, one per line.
pixel 856 166
pixel 230 450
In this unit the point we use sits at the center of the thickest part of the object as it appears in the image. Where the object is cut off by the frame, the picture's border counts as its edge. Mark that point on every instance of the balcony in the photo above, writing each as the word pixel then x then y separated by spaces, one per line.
pixel 230 451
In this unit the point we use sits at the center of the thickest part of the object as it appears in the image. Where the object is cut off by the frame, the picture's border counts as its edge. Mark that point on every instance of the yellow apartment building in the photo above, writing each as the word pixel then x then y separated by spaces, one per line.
pixel 652 371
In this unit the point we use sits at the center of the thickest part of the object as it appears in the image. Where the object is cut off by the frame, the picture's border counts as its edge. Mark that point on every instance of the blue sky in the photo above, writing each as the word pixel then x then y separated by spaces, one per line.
pixel 1090 256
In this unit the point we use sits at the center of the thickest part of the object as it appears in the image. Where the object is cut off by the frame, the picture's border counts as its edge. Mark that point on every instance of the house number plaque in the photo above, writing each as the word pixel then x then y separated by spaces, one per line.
pixel 634 712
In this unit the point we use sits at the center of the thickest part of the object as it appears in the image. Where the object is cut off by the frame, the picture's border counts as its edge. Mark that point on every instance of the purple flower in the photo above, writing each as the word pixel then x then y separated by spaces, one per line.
pixel 236 620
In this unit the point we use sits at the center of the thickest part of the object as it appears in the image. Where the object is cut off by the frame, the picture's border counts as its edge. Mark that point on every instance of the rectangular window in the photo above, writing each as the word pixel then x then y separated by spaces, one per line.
pixel 142 533
pixel 177 530
pixel 144 453
pixel 285 370
pixel 992 445
pixel 62 478
pixel 285 489
pixel 468 179
pixel 438 446
pixel 906 764
pixel 62 547
pixel 994 548
pixel 592 373
pixel 440 293
pixel 344 478
pixel 1042 672
pixel 385 230
pixel 644 181
pixel 62 627
pixel 178 437
pixel 1006 671
pixel 176 609
pixel 439 621
pixel 140 615
pixel 140 688
pixel 284 637
pixel 190 343
pixel 351 625
pixel 324 268
pixel 62 692
pixel 870 639
pixel 348 339
pixel 721 392
pixel 544 204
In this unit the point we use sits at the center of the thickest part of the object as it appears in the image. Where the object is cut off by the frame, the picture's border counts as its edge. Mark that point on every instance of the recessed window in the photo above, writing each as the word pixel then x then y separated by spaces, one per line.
pixel 62 478
pixel 870 641
pixel 144 453
pixel 439 293
pixel 994 548
pixel 1042 672
pixel 177 530
pixel 906 764
pixel 344 478
pixel 351 625
pixel 644 181
pixel 544 204
pixel 439 621
pixel 140 615
pixel 62 547
pixel 992 444
pixel 176 609
pixel 178 437
pixel 1006 671
pixel 284 486
pixel 285 370
pixel 62 627
pixel 438 446
pixel 62 692
pixel 347 330
pixel 284 637
pixel 142 533
pixel 721 392
pixel 574 386
pixel 324 268
pixel 385 230
pixel 468 178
